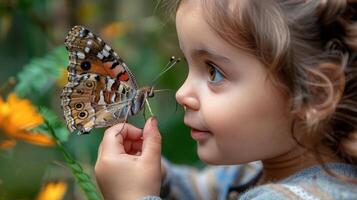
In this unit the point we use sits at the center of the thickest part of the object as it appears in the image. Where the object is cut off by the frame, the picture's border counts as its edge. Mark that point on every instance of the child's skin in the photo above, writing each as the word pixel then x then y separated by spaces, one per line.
pixel 235 113
pixel 128 165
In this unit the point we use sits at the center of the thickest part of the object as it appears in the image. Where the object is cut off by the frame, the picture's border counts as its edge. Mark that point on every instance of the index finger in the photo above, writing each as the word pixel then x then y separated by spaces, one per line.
pixel 112 144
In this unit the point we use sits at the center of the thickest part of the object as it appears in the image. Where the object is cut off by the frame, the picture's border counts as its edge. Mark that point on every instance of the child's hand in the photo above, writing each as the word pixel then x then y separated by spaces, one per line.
pixel 129 164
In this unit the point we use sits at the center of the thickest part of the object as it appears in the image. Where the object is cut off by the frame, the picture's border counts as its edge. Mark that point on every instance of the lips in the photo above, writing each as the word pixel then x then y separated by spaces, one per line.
pixel 197 133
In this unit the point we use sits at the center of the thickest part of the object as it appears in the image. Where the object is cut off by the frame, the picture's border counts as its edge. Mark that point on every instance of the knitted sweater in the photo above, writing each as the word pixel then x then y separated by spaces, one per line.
pixel 239 182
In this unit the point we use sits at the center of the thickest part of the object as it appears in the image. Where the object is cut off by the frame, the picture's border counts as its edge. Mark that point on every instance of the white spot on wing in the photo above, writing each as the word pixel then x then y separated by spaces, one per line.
pixel 87 49
pixel 101 98
pixel 113 97
pixel 99 55
pixel 105 53
pixel 120 89
pixel 81 55
pixel 107 47
pixel 110 84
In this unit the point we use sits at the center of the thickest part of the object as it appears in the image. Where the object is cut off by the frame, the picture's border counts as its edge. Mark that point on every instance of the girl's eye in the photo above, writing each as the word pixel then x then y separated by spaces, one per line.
pixel 215 75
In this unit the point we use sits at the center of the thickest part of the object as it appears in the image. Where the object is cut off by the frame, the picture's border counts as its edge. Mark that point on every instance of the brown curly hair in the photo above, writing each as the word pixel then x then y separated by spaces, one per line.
pixel 309 46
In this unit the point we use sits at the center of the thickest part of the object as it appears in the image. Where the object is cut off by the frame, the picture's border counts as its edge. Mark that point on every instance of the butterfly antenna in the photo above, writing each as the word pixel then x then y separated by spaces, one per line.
pixel 163 90
pixel 173 61
pixel 168 64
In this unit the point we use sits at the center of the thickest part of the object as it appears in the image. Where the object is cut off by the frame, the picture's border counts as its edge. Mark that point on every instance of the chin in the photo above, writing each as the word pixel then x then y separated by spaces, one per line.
pixel 209 161
pixel 208 157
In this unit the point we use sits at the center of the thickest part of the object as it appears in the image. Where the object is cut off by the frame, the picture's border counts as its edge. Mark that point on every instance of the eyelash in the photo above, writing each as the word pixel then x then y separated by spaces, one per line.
pixel 214 72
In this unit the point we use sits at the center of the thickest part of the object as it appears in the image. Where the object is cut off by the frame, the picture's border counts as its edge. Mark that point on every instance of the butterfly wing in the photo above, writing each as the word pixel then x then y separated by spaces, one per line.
pixel 99 83
pixel 88 53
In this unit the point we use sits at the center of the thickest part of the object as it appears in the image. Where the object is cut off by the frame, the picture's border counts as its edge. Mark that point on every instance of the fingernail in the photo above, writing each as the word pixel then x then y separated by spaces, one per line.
pixel 153 121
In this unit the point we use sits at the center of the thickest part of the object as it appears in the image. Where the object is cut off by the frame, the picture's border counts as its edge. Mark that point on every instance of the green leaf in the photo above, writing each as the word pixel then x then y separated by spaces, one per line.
pixel 40 74
pixel 58 126
pixel 82 178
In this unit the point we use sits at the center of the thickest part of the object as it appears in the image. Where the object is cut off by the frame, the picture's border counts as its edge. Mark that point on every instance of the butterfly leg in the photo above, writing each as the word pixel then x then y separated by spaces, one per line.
pixel 125 120
pixel 147 102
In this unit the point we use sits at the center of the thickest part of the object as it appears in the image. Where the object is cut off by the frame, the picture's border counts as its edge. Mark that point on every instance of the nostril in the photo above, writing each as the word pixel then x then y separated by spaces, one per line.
pixel 191 103
pixel 187 100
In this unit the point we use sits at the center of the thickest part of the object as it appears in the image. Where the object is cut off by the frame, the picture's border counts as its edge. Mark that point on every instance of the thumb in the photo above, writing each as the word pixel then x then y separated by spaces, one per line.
pixel 152 140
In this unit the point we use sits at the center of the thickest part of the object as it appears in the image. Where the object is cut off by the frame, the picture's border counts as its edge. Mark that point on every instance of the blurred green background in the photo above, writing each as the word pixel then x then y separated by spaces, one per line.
pixel 32 33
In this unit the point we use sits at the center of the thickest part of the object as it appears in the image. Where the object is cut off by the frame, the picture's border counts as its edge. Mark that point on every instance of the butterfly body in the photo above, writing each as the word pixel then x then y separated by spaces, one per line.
pixel 101 90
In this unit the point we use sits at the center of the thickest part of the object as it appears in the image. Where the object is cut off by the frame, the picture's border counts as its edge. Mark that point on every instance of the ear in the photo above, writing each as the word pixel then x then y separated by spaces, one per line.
pixel 326 83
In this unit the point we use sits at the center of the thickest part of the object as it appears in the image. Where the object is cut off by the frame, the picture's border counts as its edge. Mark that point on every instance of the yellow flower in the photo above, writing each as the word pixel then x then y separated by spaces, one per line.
pixel 17 118
pixel 52 191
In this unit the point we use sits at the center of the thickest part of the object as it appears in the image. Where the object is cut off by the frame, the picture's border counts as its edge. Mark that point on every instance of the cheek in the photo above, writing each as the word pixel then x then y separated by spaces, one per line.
pixel 257 123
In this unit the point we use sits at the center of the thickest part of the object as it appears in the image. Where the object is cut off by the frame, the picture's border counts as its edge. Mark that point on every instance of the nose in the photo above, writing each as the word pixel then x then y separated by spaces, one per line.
pixel 187 96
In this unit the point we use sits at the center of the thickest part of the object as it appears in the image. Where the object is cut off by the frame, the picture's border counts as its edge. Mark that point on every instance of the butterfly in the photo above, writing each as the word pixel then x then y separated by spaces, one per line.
pixel 101 91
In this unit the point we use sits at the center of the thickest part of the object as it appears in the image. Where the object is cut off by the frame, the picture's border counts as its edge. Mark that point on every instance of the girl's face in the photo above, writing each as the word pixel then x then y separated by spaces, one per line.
pixel 234 111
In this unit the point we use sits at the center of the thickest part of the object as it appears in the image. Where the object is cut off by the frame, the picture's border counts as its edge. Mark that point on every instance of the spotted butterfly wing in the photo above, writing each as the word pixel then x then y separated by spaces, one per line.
pixel 101 90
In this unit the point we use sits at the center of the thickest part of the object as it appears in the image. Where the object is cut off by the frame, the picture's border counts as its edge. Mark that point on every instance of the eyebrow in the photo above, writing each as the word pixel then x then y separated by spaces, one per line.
pixel 209 53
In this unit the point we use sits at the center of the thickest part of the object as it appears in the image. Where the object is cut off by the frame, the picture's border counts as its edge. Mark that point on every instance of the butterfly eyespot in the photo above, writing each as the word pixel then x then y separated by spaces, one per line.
pixel 85 65
pixel 83 115
pixel 79 106
pixel 79 91
pixel 89 84
pixel 97 76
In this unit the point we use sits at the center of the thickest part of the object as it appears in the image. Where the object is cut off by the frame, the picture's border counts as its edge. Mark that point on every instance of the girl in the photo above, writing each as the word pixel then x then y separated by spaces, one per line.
pixel 271 94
